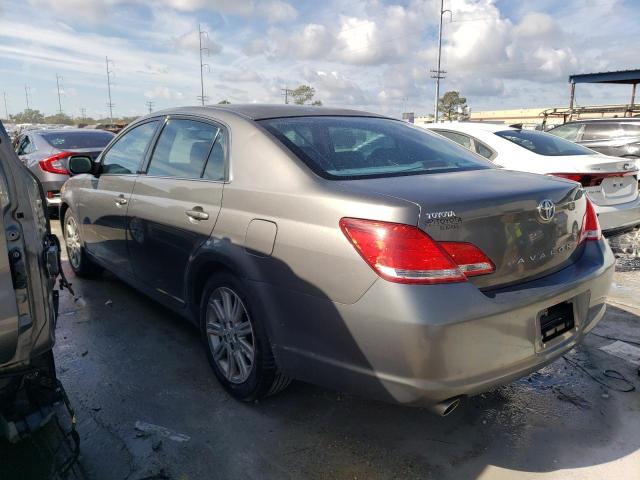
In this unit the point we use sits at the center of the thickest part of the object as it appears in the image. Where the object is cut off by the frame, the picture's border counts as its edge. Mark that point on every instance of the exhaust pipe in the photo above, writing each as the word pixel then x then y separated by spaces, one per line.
pixel 445 407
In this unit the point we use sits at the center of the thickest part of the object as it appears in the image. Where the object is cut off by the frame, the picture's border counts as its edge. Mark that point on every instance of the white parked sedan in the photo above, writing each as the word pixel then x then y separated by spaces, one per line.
pixel 610 182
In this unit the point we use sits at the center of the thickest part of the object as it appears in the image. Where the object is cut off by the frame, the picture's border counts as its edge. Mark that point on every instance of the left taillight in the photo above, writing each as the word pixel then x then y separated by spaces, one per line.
pixel 55 163
pixel 405 254
pixel 591 225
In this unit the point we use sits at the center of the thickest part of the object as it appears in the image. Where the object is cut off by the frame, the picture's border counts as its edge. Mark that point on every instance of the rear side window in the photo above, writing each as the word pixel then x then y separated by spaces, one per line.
pixel 216 162
pixel 182 149
pixel 126 155
pixel 71 140
pixel 363 147
pixel 483 150
pixel 543 143
pixel 26 146
pixel 631 129
pixel 601 131
pixel 459 138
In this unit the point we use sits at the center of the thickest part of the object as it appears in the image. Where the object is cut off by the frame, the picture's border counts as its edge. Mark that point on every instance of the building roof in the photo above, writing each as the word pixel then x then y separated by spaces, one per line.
pixel 620 77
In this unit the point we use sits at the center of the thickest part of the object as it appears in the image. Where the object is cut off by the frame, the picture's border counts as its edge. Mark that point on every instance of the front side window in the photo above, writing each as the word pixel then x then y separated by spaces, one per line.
pixel 363 147
pixel 126 155
pixel 569 131
pixel 543 143
pixel 182 149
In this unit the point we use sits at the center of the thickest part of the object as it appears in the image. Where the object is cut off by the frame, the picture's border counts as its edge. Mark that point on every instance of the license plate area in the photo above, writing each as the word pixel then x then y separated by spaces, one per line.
pixel 555 321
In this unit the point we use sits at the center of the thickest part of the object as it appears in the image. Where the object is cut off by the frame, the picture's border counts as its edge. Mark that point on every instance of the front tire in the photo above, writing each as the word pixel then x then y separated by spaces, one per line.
pixel 80 262
pixel 236 341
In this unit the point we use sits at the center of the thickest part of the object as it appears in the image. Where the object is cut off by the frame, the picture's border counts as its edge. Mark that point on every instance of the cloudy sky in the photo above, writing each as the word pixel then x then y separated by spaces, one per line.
pixel 366 54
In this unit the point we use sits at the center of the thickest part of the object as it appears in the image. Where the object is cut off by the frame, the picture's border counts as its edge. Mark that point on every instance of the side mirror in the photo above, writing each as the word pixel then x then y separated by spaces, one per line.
pixel 80 164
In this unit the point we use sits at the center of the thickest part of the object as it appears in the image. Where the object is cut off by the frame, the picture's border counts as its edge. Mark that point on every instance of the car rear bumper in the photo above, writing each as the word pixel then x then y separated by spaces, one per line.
pixel 618 217
pixel 419 345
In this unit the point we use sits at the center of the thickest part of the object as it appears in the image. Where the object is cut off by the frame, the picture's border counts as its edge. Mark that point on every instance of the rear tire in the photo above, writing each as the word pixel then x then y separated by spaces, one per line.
pixel 82 265
pixel 236 341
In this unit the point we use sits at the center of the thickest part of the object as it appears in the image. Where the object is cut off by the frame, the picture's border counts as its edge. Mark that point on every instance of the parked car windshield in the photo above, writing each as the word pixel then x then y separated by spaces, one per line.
pixel 71 140
pixel 364 147
pixel 544 143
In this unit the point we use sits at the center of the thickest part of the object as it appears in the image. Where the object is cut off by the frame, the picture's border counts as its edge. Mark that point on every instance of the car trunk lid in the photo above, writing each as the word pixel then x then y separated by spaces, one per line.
pixel 501 213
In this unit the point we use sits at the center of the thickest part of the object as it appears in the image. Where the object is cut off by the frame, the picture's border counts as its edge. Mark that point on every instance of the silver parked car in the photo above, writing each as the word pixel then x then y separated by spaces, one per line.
pixel 618 137
pixel 46 153
pixel 341 248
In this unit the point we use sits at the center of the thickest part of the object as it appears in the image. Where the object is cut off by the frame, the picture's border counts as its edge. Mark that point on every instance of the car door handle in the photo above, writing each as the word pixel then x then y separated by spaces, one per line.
pixel 197 214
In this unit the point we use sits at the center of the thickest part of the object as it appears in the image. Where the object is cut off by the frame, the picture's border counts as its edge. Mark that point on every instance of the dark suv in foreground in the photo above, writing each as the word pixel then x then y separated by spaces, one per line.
pixel 618 137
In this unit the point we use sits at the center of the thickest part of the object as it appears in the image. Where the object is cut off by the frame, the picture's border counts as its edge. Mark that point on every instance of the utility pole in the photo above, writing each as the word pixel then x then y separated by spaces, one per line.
pixel 6 110
pixel 109 73
pixel 58 78
pixel 83 113
pixel 285 93
pixel 202 97
pixel 438 72
pixel 150 105
pixel 27 88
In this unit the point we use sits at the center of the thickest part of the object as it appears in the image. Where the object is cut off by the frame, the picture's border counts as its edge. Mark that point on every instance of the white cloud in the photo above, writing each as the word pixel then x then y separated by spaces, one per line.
pixel 164 92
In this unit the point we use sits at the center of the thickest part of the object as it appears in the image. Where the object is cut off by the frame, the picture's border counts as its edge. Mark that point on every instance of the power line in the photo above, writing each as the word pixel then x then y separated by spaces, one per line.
pixel 58 78
pixel 150 104
pixel 109 73
pixel 202 97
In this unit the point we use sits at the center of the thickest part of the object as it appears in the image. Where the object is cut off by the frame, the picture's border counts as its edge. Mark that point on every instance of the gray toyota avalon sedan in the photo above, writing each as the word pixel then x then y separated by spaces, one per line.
pixel 341 248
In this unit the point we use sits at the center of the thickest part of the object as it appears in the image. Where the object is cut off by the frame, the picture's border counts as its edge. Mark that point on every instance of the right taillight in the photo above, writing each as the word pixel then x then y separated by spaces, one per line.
pixel 590 226
pixel 405 254
pixel 55 163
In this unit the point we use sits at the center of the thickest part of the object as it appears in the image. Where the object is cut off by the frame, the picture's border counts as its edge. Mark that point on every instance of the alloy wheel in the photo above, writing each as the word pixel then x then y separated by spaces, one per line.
pixel 230 335
pixel 72 239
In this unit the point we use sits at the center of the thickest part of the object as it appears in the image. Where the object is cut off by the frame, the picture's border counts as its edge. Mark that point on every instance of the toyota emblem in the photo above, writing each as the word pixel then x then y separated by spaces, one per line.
pixel 546 210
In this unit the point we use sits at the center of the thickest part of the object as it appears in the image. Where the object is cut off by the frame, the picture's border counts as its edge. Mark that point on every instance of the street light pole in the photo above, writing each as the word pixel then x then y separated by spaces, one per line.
pixel 438 72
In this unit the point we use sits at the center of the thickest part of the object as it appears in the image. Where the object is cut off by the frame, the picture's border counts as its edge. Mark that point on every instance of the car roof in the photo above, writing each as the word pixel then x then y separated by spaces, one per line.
pixel 469 127
pixel 606 120
pixel 62 130
pixel 257 111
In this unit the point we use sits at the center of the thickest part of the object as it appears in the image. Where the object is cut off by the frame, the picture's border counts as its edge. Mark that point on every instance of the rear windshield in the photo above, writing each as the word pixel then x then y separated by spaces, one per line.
pixel 362 147
pixel 544 143
pixel 70 140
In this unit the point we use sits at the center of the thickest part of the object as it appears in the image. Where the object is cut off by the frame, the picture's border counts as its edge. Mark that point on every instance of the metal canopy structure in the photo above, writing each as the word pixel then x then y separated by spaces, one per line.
pixel 621 77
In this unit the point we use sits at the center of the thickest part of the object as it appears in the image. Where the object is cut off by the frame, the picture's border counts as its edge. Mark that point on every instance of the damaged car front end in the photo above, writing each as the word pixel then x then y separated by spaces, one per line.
pixel 29 265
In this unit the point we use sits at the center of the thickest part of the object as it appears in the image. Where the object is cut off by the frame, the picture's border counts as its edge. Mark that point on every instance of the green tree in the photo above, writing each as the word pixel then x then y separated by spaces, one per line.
pixel 224 102
pixel 303 95
pixel 450 104
pixel 28 116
